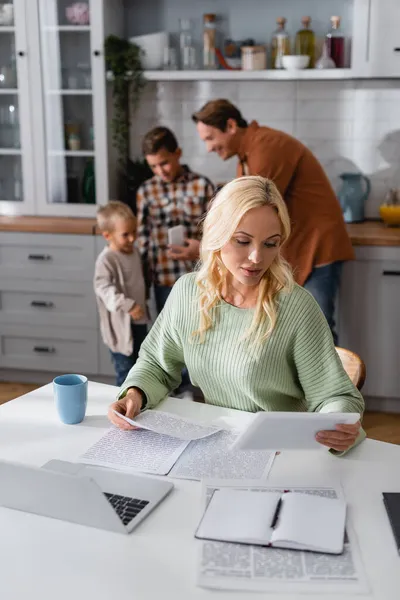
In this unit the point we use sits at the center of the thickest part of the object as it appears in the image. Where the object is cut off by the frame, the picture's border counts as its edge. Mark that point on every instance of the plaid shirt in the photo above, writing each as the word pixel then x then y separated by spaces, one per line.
pixel 162 205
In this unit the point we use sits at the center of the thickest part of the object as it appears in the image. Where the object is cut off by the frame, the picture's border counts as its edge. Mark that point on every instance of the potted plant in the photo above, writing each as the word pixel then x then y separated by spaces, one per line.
pixel 123 61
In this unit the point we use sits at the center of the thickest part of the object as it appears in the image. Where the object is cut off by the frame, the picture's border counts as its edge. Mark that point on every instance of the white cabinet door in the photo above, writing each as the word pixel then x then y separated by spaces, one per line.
pixel 70 95
pixel 369 321
pixel 376 54
pixel 16 150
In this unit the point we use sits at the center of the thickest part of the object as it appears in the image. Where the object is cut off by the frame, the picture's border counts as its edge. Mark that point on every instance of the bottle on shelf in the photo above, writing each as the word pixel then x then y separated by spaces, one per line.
pixel 186 46
pixel 209 41
pixel 325 61
pixel 17 181
pixel 336 43
pixel 280 44
pixel 305 41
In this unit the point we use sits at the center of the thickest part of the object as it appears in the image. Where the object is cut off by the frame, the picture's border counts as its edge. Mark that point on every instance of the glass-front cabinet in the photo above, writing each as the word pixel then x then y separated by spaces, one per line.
pixel 75 171
pixel 16 166
pixel 53 116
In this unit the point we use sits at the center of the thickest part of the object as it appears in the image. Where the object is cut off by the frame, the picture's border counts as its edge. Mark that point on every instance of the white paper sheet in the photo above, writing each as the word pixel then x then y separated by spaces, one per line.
pixel 213 458
pixel 172 425
pixel 138 450
pixel 230 566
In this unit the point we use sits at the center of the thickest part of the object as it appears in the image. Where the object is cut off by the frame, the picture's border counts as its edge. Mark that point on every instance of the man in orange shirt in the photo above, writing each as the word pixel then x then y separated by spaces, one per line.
pixel 319 242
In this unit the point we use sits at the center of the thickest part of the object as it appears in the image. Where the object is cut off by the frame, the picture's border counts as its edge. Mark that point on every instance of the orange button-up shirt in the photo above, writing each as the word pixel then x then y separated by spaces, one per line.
pixel 319 234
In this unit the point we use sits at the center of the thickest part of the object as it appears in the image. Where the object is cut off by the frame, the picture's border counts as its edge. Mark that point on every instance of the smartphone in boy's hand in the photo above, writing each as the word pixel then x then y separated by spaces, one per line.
pixel 176 236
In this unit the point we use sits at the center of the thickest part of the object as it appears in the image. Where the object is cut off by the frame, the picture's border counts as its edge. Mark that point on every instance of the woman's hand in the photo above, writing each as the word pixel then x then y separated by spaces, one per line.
pixel 341 439
pixel 130 406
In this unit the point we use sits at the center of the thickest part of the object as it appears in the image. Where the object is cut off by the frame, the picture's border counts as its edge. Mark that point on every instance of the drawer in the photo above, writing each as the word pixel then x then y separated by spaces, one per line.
pixel 47 303
pixel 384 253
pixel 47 256
pixel 57 349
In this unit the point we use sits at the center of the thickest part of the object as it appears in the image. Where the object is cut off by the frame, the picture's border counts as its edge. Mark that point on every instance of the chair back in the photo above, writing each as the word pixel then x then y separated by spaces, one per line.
pixel 353 365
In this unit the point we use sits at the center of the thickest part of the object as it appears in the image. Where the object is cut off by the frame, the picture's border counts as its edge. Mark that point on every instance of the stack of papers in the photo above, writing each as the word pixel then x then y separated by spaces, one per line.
pixel 233 566
pixel 169 444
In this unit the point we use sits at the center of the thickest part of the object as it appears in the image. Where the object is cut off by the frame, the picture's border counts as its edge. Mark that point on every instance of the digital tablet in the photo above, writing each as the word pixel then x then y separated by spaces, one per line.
pixel 289 430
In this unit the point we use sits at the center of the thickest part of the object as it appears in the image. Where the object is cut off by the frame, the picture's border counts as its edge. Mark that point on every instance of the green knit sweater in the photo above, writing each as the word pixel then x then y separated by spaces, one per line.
pixel 296 369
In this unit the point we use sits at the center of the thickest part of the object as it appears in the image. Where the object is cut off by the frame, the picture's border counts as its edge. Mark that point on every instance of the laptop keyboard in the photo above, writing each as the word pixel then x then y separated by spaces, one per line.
pixel 125 507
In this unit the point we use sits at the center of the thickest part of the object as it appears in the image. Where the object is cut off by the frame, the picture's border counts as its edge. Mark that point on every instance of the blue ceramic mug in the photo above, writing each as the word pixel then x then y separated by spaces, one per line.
pixel 70 394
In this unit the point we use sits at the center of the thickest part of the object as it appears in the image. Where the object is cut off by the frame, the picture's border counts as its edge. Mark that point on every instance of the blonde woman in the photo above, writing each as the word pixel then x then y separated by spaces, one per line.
pixel 250 337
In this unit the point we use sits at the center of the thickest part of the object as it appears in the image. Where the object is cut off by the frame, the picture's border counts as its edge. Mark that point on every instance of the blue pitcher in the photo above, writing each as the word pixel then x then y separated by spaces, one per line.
pixel 352 196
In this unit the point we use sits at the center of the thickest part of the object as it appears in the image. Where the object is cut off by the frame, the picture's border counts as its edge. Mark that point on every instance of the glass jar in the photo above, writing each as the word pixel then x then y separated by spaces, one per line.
pixel 254 58
pixel 305 41
pixel 209 41
pixel 336 43
pixel 280 44
pixel 186 46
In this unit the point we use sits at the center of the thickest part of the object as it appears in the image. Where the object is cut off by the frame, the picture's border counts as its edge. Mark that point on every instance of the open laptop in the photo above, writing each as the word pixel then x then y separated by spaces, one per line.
pixel 90 496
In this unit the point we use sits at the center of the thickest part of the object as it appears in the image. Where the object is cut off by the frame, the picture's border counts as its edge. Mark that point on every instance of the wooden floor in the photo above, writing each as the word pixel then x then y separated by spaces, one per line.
pixel 379 426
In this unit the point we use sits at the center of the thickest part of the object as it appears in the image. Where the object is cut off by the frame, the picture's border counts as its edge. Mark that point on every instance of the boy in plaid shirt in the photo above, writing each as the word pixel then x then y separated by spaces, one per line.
pixel 175 195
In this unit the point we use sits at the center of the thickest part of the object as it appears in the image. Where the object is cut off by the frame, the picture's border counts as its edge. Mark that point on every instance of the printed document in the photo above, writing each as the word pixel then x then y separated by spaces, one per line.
pixel 230 566
pixel 138 450
pixel 213 458
pixel 169 424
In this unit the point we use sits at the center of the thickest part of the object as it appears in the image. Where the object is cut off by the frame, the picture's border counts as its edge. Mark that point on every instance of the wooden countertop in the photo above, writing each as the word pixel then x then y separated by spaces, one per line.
pixel 369 233
pixel 373 233
pixel 48 225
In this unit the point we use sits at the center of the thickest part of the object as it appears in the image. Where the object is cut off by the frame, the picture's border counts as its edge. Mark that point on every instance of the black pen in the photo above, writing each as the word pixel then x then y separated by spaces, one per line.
pixel 276 513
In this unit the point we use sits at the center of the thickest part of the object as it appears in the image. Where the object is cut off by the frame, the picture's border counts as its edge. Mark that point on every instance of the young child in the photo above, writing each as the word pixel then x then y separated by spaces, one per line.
pixel 174 196
pixel 120 289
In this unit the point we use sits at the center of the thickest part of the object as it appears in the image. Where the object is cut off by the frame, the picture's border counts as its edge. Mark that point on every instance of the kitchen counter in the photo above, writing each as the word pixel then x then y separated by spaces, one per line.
pixel 48 225
pixel 373 233
pixel 369 233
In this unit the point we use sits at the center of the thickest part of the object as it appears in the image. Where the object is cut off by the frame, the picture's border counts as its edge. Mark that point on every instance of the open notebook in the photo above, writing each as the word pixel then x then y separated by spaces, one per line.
pixel 289 520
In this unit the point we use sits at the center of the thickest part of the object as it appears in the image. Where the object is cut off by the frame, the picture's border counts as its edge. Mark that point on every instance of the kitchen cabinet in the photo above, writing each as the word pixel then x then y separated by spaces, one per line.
pixel 17 190
pixel 376 44
pixel 369 321
pixel 48 315
pixel 53 100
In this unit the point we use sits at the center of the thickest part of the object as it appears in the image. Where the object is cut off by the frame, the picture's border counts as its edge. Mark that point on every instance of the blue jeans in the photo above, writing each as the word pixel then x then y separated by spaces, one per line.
pixel 161 293
pixel 323 284
pixel 123 364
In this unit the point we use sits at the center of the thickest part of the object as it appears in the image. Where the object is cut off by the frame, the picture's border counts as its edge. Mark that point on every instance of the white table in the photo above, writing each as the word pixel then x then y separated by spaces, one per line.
pixel 45 559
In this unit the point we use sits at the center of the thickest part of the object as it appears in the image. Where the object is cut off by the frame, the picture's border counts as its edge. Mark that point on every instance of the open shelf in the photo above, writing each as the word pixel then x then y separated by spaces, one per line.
pixel 268 74
pixel 89 153
pixel 67 28
pixel 10 151
pixel 78 92
pixel 239 75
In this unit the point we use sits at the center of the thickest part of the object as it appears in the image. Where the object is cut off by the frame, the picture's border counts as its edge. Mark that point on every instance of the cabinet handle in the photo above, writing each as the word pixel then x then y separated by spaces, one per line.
pixel 391 273
pixel 40 257
pixel 96 52
pixel 44 349
pixel 396 49
pixel 42 304
pixel 21 53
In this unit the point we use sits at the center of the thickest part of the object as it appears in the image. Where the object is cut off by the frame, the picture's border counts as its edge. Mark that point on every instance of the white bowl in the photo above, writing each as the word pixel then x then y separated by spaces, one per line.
pixel 6 14
pixel 153 46
pixel 293 61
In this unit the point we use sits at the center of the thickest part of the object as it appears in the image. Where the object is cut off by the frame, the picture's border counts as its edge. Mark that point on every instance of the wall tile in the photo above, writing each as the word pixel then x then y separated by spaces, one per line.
pixel 324 130
pixel 321 110
pixel 325 90
pixel 350 126
pixel 266 90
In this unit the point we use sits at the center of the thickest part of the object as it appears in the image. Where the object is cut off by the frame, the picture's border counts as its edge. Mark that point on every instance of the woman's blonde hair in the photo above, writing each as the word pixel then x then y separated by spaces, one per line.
pixel 227 209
